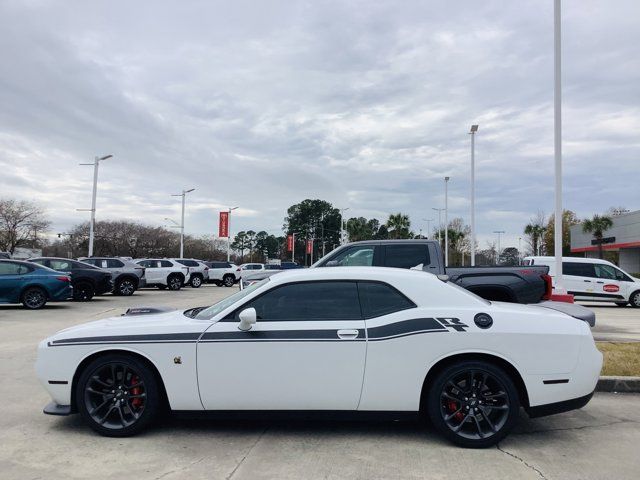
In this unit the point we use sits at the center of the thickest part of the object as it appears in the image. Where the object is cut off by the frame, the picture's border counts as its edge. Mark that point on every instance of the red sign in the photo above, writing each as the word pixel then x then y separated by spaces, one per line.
pixel 309 246
pixel 611 288
pixel 289 243
pixel 223 226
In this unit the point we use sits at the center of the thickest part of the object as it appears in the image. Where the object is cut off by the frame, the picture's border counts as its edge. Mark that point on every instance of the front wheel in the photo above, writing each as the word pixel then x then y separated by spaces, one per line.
pixel 474 404
pixel 117 395
pixel 634 300
pixel 34 298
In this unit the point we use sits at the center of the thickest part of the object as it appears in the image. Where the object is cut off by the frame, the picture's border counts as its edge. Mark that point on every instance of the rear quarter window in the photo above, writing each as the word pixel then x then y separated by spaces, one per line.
pixel 379 299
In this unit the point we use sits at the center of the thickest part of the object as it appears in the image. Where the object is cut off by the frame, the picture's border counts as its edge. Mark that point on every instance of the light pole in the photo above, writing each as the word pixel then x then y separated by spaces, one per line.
pixel 293 247
pixel 183 195
pixel 474 129
pixel 557 144
pixel 446 221
pixel 519 251
pixel 96 164
pixel 342 210
pixel 439 210
pixel 428 220
pixel 229 233
pixel 499 232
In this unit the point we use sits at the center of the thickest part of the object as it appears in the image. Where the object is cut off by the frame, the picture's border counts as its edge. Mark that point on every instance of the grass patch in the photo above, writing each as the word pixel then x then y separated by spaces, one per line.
pixel 620 358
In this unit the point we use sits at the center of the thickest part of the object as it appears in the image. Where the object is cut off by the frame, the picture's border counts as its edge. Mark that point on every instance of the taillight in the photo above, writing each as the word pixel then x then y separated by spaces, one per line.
pixel 548 282
pixel 63 279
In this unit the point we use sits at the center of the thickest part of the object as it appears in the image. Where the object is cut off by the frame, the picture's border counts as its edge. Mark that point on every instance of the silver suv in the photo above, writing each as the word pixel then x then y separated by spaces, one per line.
pixel 127 276
pixel 199 272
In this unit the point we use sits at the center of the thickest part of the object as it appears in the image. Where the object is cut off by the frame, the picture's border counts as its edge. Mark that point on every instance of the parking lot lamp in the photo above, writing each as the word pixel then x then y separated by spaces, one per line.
pixel 474 129
pixel 183 195
pixel 96 164
pixel 229 234
pixel 557 145
pixel 428 220
pixel 499 232
pixel 446 221
pixel 439 210
pixel 293 247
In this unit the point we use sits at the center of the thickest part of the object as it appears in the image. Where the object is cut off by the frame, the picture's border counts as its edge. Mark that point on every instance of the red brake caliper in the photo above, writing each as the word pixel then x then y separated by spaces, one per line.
pixel 453 406
pixel 136 402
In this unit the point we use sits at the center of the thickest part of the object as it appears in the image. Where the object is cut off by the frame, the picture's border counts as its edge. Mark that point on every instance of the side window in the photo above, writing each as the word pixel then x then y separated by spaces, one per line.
pixel 623 277
pixel 308 301
pixel 113 263
pixel 577 269
pixel 22 269
pixel 379 299
pixel 406 256
pixel 61 265
pixel 166 264
pixel 7 268
pixel 149 264
pixel 355 257
pixel 605 271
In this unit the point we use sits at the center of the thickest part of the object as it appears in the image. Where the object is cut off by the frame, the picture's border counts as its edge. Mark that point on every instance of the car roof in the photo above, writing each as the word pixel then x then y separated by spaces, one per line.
pixel 569 259
pixel 352 273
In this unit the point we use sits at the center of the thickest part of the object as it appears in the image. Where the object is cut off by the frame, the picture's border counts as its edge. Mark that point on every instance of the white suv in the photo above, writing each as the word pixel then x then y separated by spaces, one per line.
pixel 594 280
pixel 249 268
pixel 164 273
pixel 223 273
pixel 198 271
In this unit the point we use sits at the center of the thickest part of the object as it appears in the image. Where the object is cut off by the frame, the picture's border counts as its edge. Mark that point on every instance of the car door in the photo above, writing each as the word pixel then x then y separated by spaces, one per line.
pixel 305 352
pixel 152 272
pixel 11 281
pixel 579 279
pixel 607 284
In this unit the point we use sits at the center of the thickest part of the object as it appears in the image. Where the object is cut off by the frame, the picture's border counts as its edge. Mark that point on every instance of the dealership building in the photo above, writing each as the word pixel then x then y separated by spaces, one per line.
pixel 622 240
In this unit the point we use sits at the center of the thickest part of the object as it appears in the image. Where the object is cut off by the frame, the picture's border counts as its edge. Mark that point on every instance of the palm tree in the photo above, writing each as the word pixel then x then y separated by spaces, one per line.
pixel 536 232
pixel 597 226
pixel 398 225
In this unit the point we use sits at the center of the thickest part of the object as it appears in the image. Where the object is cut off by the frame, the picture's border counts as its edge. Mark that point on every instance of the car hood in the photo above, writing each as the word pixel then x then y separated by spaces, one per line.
pixel 134 325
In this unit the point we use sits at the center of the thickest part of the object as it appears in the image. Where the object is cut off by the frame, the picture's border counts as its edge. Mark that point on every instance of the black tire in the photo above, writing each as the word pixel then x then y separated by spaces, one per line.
pixel 474 404
pixel 174 282
pixel 34 298
pixel 125 287
pixel 228 280
pixel 621 304
pixel 83 292
pixel 118 395
pixel 634 299
pixel 196 281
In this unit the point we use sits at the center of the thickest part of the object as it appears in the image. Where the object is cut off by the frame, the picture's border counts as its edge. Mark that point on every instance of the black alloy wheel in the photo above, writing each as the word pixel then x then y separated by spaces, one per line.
pixel 34 298
pixel 174 282
pixel 117 395
pixel 228 281
pixel 474 404
pixel 196 281
pixel 83 292
pixel 125 287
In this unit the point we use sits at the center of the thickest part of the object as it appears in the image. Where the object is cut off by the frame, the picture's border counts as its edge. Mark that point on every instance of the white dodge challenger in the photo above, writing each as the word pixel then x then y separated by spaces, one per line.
pixel 356 339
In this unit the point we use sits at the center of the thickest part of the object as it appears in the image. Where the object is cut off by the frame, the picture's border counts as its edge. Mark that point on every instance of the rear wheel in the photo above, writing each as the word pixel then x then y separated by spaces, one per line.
pixel 473 404
pixel 34 298
pixel 228 280
pixel 125 287
pixel 174 282
pixel 117 395
pixel 196 281
pixel 634 300
pixel 83 292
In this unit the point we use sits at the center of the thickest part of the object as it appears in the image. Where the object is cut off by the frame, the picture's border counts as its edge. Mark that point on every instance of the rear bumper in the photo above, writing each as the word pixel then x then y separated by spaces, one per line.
pixel 53 408
pixel 558 407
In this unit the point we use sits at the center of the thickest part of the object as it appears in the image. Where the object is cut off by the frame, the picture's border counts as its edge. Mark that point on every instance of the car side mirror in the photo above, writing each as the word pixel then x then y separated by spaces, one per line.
pixel 247 317
pixel 332 263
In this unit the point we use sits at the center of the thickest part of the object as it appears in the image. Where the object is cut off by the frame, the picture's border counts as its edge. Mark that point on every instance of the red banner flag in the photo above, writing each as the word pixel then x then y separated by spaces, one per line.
pixel 309 246
pixel 223 226
pixel 289 243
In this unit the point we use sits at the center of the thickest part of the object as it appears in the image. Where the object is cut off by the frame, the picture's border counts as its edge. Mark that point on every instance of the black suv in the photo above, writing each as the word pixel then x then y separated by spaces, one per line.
pixel 86 279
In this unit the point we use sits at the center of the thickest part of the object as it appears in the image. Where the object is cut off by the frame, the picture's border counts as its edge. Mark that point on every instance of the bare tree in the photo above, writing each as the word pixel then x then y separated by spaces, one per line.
pixel 20 223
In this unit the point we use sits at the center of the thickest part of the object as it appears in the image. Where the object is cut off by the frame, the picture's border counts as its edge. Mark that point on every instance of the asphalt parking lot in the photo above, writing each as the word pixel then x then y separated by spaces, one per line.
pixel 599 441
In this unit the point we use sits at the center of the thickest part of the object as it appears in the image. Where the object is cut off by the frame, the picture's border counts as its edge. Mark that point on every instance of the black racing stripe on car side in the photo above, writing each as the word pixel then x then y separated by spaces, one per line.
pixel 277 335
pixel 406 327
pixel 148 338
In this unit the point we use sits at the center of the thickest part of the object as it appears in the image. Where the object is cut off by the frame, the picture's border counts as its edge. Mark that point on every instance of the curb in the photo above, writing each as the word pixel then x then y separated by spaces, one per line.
pixel 618 384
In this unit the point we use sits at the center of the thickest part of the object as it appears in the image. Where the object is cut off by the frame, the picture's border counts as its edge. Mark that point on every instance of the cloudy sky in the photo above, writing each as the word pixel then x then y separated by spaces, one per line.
pixel 366 104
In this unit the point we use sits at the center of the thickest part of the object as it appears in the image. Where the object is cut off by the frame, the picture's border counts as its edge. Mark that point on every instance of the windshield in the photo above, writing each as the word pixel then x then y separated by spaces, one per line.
pixel 210 312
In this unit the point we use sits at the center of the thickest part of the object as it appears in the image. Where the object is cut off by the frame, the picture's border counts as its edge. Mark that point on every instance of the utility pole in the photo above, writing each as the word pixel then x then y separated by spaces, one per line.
pixel 96 164
pixel 446 221
pixel 183 195
pixel 428 220
pixel 499 232
pixel 229 233
pixel 557 143
pixel 293 247
pixel 474 129
pixel 439 210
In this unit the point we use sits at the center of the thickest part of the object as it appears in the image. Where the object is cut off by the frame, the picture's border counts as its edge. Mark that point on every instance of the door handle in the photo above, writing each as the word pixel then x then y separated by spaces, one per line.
pixel 347 334
pixel 588 281
pixel 599 282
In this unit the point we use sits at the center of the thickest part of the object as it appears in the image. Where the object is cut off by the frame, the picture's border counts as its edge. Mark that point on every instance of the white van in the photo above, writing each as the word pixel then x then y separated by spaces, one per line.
pixel 593 280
